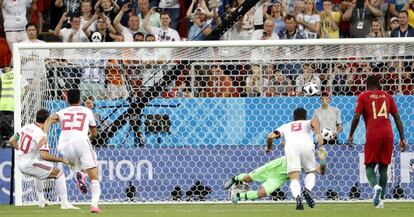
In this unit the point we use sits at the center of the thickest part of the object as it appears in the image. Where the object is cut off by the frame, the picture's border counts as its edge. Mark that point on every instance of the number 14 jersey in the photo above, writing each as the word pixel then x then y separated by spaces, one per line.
pixel 375 106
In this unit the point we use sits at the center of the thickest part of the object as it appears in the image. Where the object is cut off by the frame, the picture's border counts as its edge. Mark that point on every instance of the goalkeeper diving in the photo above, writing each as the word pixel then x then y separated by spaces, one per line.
pixel 272 175
pixel 299 155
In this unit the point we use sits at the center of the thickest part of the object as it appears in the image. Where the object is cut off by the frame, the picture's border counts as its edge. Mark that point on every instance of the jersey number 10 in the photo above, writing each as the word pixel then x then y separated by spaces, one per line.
pixel 383 112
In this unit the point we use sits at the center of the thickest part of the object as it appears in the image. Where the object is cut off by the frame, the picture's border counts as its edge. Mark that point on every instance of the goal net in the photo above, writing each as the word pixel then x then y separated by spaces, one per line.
pixel 175 120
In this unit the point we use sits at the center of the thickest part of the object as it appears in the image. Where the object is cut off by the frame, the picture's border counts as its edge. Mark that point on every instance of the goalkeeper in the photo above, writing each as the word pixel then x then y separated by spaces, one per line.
pixel 272 175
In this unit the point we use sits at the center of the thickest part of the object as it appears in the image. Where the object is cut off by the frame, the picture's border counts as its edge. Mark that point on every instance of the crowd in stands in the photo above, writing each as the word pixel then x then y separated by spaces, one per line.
pixel 174 20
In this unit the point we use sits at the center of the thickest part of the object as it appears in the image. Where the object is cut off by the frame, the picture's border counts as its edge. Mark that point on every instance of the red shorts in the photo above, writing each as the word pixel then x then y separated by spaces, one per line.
pixel 378 150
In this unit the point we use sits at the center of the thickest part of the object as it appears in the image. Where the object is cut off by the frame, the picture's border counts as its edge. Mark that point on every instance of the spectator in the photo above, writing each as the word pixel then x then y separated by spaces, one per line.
pixel 200 5
pixel 200 29
pixel 329 21
pixel 276 14
pixel 220 84
pixel 133 24
pixel 108 7
pixel 307 76
pixel 258 13
pixel 394 23
pixel 103 32
pixel 282 84
pixel 172 7
pixel 266 33
pixel 409 7
pixel 154 18
pixel 291 32
pixel 360 17
pixel 6 105
pixel 309 21
pixel 298 8
pixel 396 6
pixel 254 82
pixel 74 34
pixel 404 30
pixel 329 117
pixel 86 15
pixel 246 26
pixel 115 83
pixel 14 15
pixel 377 30
pixel 139 36
pixel 163 33
pixel 72 8
pixel 341 80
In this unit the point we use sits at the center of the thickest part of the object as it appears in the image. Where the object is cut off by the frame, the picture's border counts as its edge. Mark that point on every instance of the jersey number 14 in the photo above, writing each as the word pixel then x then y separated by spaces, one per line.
pixel 383 112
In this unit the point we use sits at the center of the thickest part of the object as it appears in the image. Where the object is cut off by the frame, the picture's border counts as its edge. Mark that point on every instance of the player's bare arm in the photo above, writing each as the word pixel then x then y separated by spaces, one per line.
pixel 13 141
pixel 52 119
pixel 398 123
pixel 354 124
pixel 45 154
pixel 93 133
pixel 270 138
pixel 316 128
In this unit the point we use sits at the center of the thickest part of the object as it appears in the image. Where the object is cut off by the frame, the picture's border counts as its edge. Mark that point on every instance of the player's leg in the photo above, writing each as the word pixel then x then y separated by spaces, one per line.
pixel 39 193
pixel 383 167
pixel 71 154
pixel 309 165
pixel 61 188
pixel 372 154
pixel 293 169
pixel 95 188
pixel 90 165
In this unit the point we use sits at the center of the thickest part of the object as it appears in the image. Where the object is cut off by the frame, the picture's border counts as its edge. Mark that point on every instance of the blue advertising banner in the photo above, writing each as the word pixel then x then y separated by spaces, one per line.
pixel 212 139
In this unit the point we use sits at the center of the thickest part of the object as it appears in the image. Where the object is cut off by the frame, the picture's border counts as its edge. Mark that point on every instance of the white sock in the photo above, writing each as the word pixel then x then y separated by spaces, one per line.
pixel 96 192
pixel 39 189
pixel 61 189
pixel 310 180
pixel 295 187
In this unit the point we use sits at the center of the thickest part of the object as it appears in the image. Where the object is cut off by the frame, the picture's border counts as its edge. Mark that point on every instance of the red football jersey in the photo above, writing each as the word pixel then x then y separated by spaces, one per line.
pixel 375 106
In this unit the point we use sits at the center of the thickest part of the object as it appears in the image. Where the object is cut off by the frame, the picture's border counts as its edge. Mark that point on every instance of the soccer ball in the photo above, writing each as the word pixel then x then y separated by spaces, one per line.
pixel 327 134
pixel 310 89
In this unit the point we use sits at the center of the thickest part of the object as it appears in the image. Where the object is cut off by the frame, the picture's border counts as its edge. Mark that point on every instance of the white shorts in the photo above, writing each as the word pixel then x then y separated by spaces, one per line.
pixel 298 158
pixel 79 152
pixel 36 168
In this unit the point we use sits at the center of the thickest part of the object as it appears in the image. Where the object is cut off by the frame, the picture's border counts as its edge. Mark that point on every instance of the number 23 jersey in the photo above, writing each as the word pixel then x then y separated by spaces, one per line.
pixel 75 121
pixel 375 106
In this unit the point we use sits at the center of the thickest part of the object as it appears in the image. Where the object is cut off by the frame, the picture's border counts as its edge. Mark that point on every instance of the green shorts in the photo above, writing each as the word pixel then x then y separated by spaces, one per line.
pixel 272 175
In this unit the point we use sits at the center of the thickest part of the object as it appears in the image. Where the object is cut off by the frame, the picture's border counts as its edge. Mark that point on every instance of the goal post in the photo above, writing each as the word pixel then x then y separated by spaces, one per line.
pixel 178 119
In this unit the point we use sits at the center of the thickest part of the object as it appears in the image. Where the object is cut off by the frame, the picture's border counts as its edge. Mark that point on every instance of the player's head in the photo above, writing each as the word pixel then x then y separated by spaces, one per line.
pixel 373 83
pixel 299 114
pixel 42 115
pixel 73 96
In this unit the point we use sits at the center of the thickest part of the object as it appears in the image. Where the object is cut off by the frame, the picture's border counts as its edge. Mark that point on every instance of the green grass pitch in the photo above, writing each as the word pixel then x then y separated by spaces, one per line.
pixel 214 210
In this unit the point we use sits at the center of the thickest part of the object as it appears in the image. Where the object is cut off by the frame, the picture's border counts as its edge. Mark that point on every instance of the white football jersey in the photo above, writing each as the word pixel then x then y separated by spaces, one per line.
pixel 297 133
pixel 30 136
pixel 75 121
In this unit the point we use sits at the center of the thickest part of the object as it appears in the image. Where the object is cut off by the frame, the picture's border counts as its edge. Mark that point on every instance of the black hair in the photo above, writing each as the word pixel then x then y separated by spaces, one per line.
pixel 73 96
pixel 42 115
pixel 29 25
pixel 373 82
pixel 299 114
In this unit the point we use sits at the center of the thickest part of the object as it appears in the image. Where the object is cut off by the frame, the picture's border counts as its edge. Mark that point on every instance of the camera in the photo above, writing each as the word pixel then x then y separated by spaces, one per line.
pixel 159 10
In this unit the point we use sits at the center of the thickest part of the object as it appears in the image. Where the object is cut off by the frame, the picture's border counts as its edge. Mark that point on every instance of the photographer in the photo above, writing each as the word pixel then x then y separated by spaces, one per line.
pixel 360 14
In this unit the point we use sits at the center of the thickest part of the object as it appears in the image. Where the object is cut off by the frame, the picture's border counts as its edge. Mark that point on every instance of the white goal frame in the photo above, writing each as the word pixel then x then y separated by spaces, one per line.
pixel 18 47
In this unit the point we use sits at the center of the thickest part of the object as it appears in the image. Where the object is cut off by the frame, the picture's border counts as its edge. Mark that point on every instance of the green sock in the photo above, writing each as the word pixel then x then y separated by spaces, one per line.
pixel 239 177
pixel 372 178
pixel 383 178
pixel 248 195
